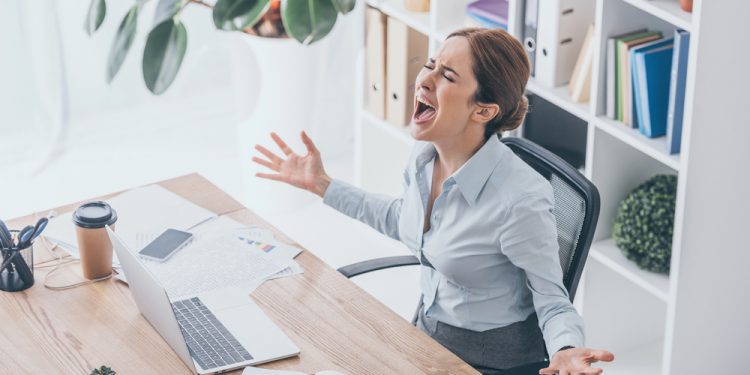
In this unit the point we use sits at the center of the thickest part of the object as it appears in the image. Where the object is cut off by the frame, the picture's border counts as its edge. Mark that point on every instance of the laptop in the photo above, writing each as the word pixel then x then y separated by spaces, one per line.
pixel 211 332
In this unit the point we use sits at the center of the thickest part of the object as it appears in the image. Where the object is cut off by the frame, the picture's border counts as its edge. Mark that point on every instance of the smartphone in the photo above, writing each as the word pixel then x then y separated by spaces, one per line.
pixel 165 245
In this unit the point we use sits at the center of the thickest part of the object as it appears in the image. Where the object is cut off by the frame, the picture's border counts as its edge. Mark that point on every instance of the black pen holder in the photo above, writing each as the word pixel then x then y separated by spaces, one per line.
pixel 18 273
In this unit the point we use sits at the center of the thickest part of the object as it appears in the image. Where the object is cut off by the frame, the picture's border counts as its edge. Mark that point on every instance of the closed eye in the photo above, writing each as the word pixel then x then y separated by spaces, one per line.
pixel 431 67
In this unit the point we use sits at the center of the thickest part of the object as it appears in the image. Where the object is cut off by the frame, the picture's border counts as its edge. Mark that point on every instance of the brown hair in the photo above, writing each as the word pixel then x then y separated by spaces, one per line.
pixel 502 69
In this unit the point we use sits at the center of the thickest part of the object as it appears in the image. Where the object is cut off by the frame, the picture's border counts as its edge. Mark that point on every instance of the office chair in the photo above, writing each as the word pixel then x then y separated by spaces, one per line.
pixel 576 211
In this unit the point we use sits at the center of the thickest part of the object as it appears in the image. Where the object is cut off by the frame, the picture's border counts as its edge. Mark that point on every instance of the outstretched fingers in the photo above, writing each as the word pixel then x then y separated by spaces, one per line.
pixel 271 176
pixel 602 355
pixel 308 143
pixel 275 159
pixel 282 145
pixel 266 164
pixel 579 363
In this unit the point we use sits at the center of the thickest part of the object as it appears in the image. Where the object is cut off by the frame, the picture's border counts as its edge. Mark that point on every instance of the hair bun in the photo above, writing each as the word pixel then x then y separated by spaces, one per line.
pixel 501 68
pixel 514 119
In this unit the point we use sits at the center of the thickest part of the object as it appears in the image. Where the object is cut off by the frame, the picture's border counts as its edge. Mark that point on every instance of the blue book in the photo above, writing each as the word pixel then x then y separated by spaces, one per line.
pixel 654 67
pixel 636 114
pixel 677 91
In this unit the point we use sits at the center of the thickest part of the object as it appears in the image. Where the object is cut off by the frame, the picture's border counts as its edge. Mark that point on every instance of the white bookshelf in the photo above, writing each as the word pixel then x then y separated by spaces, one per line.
pixel 559 97
pixel 653 147
pixel 685 322
pixel 396 9
pixel 667 10
pixel 608 255
pixel 637 360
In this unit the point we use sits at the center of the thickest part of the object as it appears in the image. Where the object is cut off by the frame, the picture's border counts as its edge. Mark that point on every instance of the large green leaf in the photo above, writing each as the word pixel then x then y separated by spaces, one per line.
pixel 95 16
pixel 344 6
pixel 123 40
pixel 308 20
pixel 238 14
pixel 167 9
pixel 162 56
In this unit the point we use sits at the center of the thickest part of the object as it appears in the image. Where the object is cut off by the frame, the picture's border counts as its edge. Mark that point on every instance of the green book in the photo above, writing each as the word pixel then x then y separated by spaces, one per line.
pixel 620 85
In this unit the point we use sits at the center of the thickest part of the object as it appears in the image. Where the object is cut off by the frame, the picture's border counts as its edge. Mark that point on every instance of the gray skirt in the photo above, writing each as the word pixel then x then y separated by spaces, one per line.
pixel 514 349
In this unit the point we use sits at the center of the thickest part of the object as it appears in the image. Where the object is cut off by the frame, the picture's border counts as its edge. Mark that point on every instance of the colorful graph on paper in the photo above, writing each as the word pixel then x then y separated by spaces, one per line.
pixel 259 245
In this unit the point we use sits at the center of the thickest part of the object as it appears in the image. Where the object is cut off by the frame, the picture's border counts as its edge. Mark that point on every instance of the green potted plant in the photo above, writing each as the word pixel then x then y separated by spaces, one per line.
pixel 304 21
pixel 644 223
pixel 103 370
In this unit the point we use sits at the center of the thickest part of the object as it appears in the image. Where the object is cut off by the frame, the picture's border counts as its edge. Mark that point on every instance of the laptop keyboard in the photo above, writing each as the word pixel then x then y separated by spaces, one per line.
pixel 210 343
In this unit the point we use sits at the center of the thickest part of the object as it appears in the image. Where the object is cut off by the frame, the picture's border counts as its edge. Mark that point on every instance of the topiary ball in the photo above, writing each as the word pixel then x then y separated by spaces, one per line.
pixel 644 223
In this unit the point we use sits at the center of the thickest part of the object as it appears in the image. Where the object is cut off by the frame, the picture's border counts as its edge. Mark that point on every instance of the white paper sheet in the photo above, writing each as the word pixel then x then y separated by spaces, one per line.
pixel 177 274
pixel 280 251
pixel 292 269
pixel 213 263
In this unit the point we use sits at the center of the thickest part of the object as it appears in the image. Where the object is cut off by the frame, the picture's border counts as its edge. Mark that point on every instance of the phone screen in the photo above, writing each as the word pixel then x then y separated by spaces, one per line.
pixel 166 244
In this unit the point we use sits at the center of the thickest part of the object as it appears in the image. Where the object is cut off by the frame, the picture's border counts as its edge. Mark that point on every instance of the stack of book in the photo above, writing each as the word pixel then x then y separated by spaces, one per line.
pixel 646 74
pixel 492 14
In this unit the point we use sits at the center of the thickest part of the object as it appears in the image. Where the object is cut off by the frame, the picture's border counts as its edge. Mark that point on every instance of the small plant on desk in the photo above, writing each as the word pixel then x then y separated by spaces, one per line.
pixel 104 370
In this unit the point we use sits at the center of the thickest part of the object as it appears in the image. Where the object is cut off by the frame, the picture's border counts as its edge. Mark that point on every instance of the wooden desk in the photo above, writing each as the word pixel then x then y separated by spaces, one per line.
pixel 336 325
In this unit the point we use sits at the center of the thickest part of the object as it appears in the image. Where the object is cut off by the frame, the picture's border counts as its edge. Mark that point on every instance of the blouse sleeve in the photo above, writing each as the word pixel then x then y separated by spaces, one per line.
pixel 378 211
pixel 529 239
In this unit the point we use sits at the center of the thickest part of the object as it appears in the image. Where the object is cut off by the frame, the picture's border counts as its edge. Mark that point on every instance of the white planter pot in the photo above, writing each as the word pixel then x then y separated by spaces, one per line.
pixel 284 83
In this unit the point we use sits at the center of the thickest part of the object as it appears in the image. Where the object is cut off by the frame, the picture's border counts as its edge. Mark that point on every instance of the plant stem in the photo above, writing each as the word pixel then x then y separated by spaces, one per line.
pixel 200 2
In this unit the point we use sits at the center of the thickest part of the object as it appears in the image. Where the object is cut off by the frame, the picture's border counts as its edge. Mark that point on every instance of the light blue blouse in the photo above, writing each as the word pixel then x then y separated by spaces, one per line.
pixel 492 241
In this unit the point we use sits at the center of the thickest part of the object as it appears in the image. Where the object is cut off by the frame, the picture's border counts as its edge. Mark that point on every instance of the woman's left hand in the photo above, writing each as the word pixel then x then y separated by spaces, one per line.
pixel 577 361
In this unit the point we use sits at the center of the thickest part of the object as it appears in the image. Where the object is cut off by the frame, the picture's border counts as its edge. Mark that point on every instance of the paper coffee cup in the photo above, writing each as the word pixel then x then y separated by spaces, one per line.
pixel 93 242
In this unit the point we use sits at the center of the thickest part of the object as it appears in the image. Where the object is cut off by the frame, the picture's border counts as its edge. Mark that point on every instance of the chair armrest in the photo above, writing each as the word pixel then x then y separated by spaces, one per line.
pixel 378 264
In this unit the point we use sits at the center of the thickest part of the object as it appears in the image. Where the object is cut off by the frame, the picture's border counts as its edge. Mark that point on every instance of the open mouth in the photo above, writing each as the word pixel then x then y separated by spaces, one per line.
pixel 423 111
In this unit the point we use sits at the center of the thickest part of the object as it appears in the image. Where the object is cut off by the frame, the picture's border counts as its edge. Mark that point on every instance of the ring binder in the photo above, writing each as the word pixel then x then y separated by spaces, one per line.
pixel 529 30
pixel 560 35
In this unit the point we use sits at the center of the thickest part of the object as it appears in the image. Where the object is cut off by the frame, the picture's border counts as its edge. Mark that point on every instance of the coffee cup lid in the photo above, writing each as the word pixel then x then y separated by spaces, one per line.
pixel 94 215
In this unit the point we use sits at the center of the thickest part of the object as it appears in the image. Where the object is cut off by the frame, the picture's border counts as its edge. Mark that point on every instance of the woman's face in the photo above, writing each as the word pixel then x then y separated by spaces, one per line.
pixel 443 104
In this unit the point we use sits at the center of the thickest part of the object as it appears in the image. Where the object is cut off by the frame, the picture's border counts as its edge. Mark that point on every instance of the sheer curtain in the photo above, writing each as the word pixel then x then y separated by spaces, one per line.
pixel 35 95
pixel 66 135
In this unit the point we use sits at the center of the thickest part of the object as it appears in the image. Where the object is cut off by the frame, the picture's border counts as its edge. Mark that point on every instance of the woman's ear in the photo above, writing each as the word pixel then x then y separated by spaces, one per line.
pixel 483 113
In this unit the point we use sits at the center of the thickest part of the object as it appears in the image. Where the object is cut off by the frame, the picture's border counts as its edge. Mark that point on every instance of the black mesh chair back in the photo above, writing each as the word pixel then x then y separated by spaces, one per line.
pixel 576 206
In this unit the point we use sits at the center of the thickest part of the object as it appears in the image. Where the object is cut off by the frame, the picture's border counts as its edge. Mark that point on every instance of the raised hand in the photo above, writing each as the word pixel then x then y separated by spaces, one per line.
pixel 303 171
pixel 577 361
